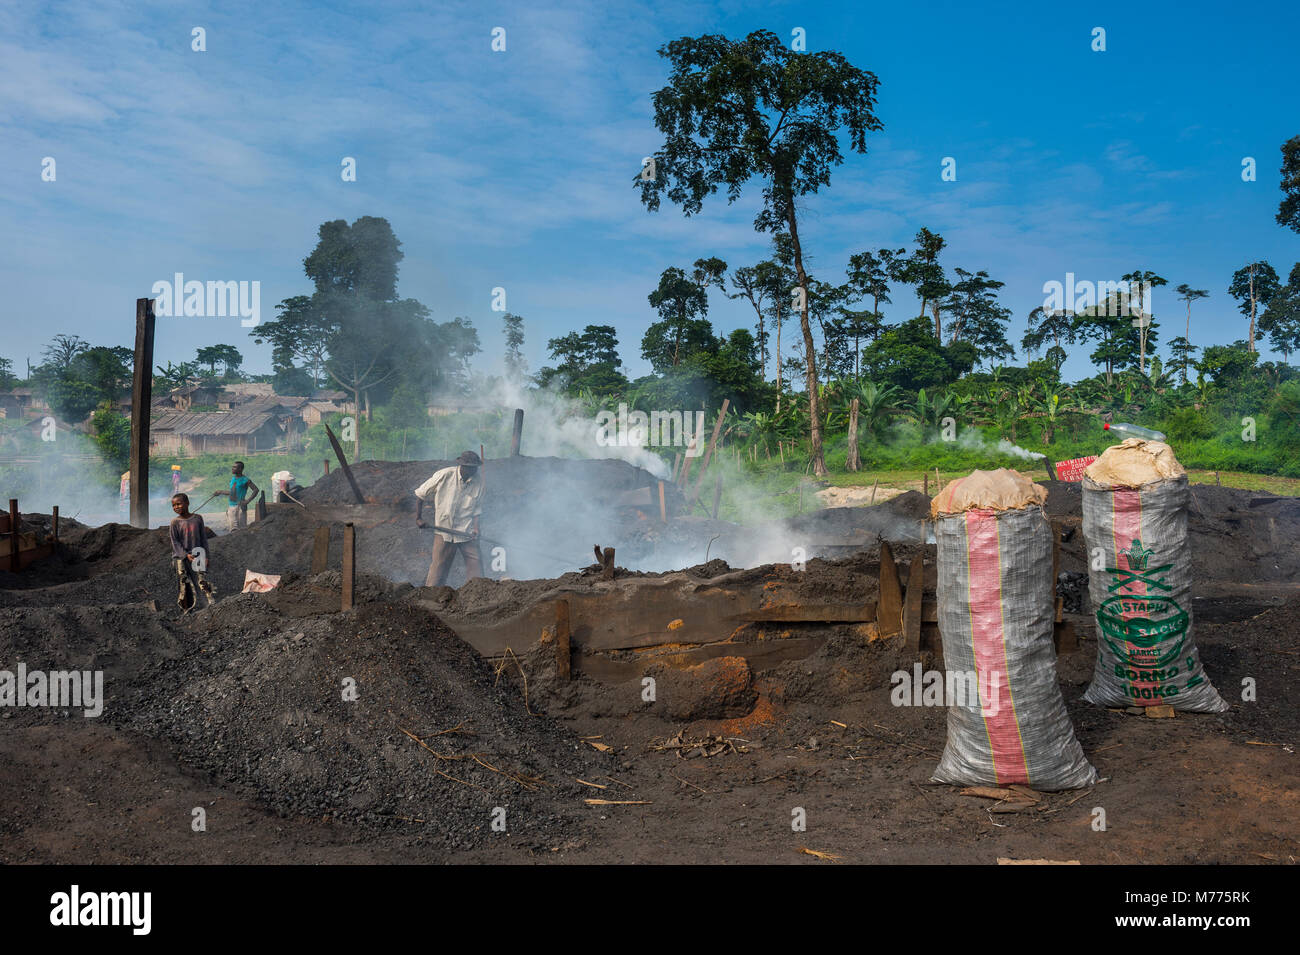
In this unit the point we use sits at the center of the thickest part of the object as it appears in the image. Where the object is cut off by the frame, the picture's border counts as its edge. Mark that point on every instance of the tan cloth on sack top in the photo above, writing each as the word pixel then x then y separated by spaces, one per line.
pixel 1134 463
pixel 1000 490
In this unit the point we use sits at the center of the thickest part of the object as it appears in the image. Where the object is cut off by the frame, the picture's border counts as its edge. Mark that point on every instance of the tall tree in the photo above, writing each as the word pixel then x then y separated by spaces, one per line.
pixel 1189 295
pixel 1288 210
pixel 1253 285
pixel 976 315
pixel 60 352
pixel 514 358
pixel 923 270
pixel 227 356
pixel 739 109
pixel 1281 319
pixel 301 333
pixel 682 328
pixel 1140 282
pixel 1058 326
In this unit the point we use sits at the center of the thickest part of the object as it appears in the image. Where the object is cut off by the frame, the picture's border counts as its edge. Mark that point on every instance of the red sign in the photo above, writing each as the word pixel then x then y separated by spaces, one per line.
pixel 1072 470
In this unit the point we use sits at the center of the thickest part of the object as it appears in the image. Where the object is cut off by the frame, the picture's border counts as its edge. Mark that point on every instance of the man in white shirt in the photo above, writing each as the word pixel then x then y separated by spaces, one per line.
pixel 456 495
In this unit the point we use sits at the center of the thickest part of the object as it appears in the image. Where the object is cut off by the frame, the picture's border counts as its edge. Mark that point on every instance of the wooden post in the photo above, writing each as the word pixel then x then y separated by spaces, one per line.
pixel 349 564
pixel 1051 468
pixel 873 489
pixel 889 607
pixel 563 650
pixel 320 550
pixel 343 463
pixel 686 465
pixel 14 564
pixel 854 459
pixel 925 483
pixel 938 483
pixel 518 433
pixel 259 508
pixel 663 509
pixel 708 454
pixel 607 564
pixel 912 604
pixel 327 465
pixel 141 400
pixel 677 464
pixel 717 495
pixel 54 523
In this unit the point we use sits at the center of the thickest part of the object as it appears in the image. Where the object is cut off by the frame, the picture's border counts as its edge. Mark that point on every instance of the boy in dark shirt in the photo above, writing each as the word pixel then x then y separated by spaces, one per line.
pixel 190 554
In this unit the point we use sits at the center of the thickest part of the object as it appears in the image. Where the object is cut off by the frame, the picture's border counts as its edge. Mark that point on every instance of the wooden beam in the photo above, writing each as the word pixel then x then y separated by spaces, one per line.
pixel 141 400
pixel 15 540
pixel 563 650
pixel 343 463
pixel 912 604
pixel 320 550
pixel 349 565
pixel 889 616
pixel 1051 468
pixel 518 433
pixel 708 454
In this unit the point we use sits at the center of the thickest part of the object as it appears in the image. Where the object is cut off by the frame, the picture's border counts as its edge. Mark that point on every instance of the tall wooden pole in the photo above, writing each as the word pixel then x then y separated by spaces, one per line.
pixel 141 399
pixel 517 434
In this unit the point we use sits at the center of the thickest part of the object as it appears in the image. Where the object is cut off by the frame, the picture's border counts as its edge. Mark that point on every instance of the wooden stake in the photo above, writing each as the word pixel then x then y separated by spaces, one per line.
pixel 518 433
pixel 1051 468
pixel 873 489
pixel 327 465
pixel 563 651
pixel 320 550
pixel 141 400
pixel 925 483
pixel 663 509
pixel 343 463
pixel 349 564
pixel 607 564
pixel 677 464
pixel 912 604
pixel 14 563
pixel 889 608
pixel 708 454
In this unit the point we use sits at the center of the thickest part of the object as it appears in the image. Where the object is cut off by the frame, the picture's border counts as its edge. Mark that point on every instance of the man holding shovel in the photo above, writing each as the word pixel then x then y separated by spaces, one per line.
pixel 456 495
pixel 242 490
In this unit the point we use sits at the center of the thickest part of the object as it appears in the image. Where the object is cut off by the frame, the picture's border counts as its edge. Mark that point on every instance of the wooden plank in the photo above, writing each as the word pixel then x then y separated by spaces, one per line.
pixel 320 550
pixel 15 539
pixel 708 454
pixel 517 433
pixel 563 647
pixel 912 604
pixel 349 564
pixel 141 400
pixel 343 463
pixel 889 616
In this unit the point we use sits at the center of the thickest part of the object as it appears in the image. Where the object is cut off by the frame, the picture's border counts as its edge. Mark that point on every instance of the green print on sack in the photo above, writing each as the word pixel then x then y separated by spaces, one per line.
pixel 1151 620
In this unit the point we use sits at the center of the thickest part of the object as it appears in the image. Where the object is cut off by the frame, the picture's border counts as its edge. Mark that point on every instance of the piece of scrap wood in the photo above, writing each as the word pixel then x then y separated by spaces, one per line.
pixel 1002 861
pixel 592 785
pixel 1162 712
pixel 603 747
pixel 1027 792
pixel 986 792
pixel 617 802
pixel 843 726
pixel 829 856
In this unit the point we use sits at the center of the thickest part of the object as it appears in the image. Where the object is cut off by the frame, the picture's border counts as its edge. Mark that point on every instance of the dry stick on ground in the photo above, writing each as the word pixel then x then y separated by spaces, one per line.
pixel 528 782
pixel 684 782
pixel 502 665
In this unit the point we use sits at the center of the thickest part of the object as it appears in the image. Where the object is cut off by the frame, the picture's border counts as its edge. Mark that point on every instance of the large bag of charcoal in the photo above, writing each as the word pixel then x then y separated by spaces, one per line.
pixel 996 608
pixel 1135 500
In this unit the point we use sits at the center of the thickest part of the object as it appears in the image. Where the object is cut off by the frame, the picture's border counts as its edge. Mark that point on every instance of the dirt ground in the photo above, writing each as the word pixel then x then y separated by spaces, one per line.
pixel 239 710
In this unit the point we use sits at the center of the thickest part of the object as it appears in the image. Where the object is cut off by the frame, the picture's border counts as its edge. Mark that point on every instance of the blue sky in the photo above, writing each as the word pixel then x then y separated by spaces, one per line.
pixel 514 169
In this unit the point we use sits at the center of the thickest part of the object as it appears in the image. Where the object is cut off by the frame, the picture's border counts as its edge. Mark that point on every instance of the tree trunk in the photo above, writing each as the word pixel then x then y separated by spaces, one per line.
pixel 938 326
pixel 810 351
pixel 778 360
pixel 853 462
pixel 1252 308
